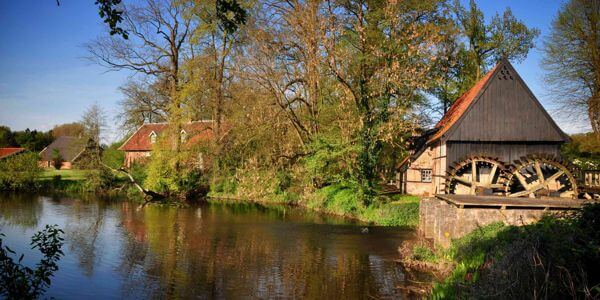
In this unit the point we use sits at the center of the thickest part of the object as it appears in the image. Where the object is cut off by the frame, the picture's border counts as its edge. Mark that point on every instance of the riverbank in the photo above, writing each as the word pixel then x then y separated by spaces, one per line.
pixel 393 210
pixel 558 257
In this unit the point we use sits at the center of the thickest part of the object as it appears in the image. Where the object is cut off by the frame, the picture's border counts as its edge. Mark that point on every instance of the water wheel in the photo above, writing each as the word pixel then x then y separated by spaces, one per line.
pixel 476 175
pixel 541 175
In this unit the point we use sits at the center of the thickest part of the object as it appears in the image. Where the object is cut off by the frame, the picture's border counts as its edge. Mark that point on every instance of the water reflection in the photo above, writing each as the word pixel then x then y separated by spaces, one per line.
pixel 213 251
pixel 20 210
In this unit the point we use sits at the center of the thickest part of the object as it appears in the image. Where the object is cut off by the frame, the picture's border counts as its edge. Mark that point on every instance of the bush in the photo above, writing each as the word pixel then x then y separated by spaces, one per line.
pixel 112 157
pixel 19 172
pixel 20 282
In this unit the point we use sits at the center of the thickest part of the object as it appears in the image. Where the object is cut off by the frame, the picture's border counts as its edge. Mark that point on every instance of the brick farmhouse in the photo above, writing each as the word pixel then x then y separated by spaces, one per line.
pixel 139 146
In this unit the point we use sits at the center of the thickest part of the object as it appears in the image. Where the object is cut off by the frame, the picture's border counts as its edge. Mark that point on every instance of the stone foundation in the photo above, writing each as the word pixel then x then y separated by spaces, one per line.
pixel 441 221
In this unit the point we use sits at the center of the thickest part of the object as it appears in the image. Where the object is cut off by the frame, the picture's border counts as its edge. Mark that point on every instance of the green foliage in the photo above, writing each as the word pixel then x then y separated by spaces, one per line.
pixel 100 180
pixel 112 157
pixel 558 257
pixel 33 140
pixel 330 161
pixel 342 199
pixel 424 254
pixel 57 159
pixel 403 212
pixel 19 172
pixel 174 173
pixel 583 151
pixel 20 282
pixel 7 138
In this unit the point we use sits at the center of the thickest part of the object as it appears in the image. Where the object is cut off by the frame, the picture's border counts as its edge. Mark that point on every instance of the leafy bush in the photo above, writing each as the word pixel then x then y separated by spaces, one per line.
pixel 100 180
pixel 112 157
pixel 329 161
pixel 19 172
pixel 20 282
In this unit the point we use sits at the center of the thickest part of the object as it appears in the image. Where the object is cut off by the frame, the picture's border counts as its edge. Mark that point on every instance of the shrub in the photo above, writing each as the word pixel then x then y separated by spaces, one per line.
pixel 19 172
pixel 20 282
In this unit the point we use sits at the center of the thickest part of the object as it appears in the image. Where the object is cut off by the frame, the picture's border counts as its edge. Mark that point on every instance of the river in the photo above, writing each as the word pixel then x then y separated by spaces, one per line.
pixel 214 250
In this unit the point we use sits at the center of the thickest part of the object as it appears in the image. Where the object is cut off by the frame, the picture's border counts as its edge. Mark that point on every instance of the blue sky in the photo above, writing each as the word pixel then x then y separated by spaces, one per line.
pixel 45 80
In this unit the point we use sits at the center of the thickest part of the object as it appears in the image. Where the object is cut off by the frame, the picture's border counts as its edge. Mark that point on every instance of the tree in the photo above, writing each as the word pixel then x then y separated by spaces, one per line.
pixel 33 140
pixel 380 54
pixel 94 123
pixel 470 47
pixel 7 138
pixel 143 103
pixel 68 129
pixel 57 159
pixel 572 59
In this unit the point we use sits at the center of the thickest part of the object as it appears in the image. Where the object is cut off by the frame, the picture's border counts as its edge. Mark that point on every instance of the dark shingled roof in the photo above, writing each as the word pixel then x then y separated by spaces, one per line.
pixel 69 147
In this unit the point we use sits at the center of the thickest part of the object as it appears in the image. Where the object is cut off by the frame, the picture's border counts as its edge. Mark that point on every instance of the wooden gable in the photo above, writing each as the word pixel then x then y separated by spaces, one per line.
pixel 505 110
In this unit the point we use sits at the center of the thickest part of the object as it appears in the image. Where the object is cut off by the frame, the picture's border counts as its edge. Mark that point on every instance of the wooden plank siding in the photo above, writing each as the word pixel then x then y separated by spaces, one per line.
pixel 506 152
pixel 506 111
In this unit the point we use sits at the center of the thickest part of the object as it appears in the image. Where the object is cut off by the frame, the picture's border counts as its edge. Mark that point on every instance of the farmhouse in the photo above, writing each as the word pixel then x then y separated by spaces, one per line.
pixel 139 146
pixel 6 152
pixel 495 139
pixel 64 151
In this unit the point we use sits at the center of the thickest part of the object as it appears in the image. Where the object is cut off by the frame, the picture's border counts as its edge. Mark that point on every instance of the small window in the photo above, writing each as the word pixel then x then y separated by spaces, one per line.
pixel 426 175
pixel 183 136
pixel 152 137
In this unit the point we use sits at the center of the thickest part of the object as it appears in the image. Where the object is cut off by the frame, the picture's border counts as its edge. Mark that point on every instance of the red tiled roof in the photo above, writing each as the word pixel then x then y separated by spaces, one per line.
pixel 460 106
pixel 4 152
pixel 140 140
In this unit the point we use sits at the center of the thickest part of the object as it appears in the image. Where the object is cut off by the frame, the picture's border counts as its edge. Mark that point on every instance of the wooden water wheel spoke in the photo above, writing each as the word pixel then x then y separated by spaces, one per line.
pixel 474 175
pixel 521 194
pixel 554 177
pixel 538 170
pixel 464 181
pixel 492 175
pixel 522 179
pixel 540 176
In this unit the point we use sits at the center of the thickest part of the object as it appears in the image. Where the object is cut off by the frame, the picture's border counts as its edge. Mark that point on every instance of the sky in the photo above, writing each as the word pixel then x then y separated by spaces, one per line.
pixel 45 79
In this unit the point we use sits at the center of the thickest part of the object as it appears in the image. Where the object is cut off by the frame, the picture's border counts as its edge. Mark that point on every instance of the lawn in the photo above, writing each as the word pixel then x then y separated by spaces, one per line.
pixel 74 175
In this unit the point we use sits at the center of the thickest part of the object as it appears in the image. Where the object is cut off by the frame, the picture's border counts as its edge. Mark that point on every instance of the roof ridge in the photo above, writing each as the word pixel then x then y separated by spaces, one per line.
pixel 462 103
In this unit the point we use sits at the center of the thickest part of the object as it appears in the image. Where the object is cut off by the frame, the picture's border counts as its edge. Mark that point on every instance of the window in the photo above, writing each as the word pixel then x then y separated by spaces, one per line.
pixel 425 175
pixel 183 136
pixel 152 137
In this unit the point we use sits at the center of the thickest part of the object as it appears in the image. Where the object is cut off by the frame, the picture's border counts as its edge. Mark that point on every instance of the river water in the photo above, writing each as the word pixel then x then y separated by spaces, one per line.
pixel 213 250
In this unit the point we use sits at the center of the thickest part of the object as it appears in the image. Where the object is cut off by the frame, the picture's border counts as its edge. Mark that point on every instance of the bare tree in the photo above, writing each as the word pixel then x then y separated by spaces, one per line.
pixel 285 58
pixel 157 43
pixel 94 123
pixel 572 59
pixel 143 103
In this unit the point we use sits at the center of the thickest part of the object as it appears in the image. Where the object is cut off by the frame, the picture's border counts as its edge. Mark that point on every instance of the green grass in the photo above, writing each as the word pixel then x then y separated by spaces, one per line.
pixel 396 210
pixel 73 174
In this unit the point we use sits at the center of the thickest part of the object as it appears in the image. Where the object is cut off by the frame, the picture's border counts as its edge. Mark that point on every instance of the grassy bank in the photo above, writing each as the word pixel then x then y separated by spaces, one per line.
pixel 341 200
pixel 71 175
pixel 558 257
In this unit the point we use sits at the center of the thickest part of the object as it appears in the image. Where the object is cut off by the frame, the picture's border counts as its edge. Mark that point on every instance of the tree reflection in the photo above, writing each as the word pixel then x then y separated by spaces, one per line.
pixel 83 229
pixel 241 251
pixel 22 210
